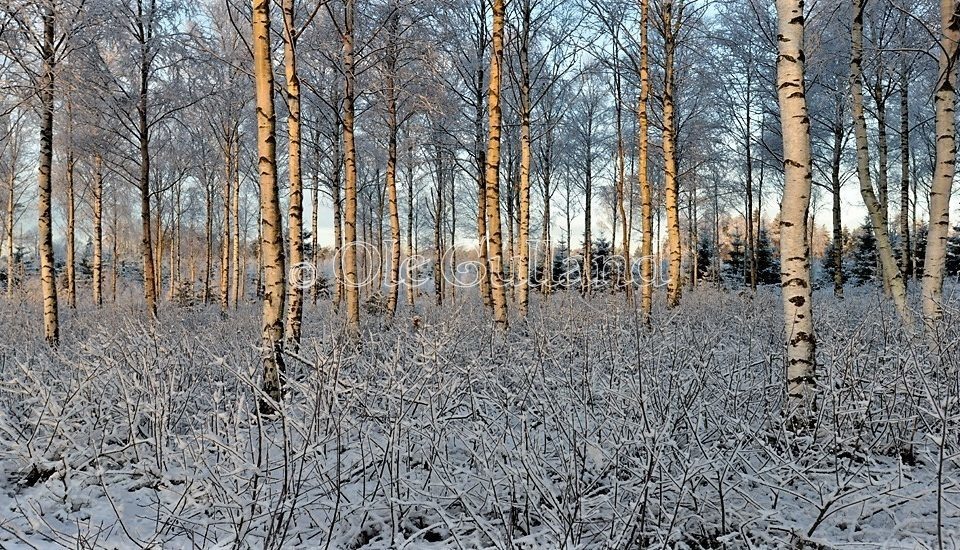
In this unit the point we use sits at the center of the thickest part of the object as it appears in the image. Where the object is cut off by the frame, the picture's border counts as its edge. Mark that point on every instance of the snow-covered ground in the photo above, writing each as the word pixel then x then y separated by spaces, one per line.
pixel 580 429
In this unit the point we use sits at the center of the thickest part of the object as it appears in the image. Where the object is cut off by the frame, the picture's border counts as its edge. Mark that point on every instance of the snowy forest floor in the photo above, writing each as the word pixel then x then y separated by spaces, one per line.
pixel 578 429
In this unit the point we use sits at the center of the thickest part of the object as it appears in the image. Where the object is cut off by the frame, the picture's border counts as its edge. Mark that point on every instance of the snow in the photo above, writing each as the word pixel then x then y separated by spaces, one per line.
pixel 577 429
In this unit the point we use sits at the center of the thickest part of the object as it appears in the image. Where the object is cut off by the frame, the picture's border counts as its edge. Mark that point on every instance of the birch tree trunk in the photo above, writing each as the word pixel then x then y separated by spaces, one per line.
pixel 48 276
pixel 890 271
pixel 225 238
pixel 906 249
pixel 351 289
pixel 271 217
pixel 8 227
pixel 410 288
pixel 295 212
pixel 482 234
pixel 671 192
pixel 315 225
pixel 238 280
pixel 621 181
pixel 98 230
pixel 208 240
pixel 114 252
pixel 158 250
pixel 837 211
pixel 945 99
pixel 748 145
pixel 71 261
pixel 391 175
pixel 523 269
pixel 492 177
pixel 643 179
pixel 546 286
pixel 338 249
pixel 794 248
pixel 150 278
pixel 587 283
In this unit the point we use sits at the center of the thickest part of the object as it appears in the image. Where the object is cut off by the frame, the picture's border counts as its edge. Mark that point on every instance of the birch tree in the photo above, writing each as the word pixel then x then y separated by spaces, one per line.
pixel 668 27
pixel 492 178
pixel 892 277
pixel 295 212
pixel 794 248
pixel 270 215
pixel 349 259
pixel 643 177
pixel 944 170
pixel 41 36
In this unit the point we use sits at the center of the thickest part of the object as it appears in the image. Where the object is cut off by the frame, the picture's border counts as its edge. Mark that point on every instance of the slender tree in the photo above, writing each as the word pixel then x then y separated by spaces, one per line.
pixel 351 288
pixel 98 229
pixel 945 99
pixel 646 191
pixel 892 278
pixel 271 242
pixel 794 248
pixel 671 183
pixel 295 212
pixel 391 63
pixel 492 178
pixel 48 284
pixel 523 269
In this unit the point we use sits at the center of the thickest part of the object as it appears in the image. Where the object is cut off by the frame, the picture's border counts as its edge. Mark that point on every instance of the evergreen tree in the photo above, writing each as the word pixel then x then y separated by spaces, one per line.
pixel 564 269
pixel 601 263
pixel 828 264
pixel 768 261
pixel 864 256
pixel 919 251
pixel 733 266
pixel 953 253
pixel 706 271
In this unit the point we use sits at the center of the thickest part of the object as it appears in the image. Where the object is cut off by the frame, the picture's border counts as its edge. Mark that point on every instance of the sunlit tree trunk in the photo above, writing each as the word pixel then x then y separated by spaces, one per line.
pixel 98 230
pixel 295 289
pixel 523 269
pixel 271 218
pixel 643 178
pixel 238 251
pixel 945 167
pixel 351 289
pixel 48 283
pixel 174 239
pixel 794 248
pixel 492 177
pixel 890 271
pixel 225 237
pixel 671 185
